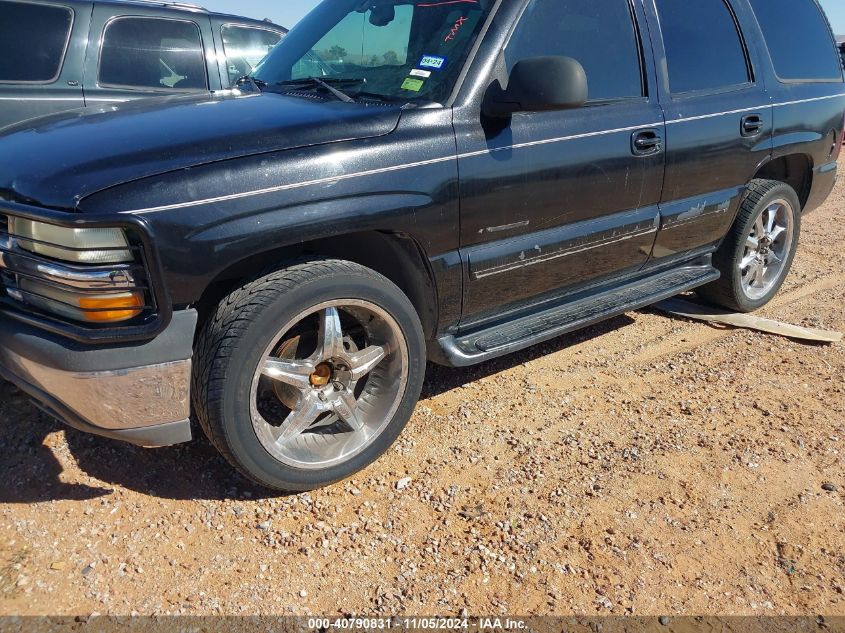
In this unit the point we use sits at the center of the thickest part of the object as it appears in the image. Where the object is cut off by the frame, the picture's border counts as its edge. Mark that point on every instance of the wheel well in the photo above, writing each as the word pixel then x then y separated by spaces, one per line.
pixel 396 256
pixel 796 170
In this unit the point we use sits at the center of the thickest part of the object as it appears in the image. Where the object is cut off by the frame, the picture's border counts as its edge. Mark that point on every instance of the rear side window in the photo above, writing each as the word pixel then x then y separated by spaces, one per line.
pixel 600 35
pixel 704 50
pixel 153 53
pixel 245 47
pixel 799 40
pixel 33 41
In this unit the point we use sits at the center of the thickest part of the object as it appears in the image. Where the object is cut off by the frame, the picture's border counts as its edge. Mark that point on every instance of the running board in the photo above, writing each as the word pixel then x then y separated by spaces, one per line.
pixel 520 333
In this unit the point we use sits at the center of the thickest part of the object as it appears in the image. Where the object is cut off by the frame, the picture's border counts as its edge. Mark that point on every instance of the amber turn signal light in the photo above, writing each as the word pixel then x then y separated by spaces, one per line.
pixel 110 309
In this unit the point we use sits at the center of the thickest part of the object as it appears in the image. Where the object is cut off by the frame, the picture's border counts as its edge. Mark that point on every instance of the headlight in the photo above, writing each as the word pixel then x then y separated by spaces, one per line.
pixel 78 246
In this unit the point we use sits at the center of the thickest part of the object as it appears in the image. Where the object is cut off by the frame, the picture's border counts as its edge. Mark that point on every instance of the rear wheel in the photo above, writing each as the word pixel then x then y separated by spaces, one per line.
pixel 758 252
pixel 309 374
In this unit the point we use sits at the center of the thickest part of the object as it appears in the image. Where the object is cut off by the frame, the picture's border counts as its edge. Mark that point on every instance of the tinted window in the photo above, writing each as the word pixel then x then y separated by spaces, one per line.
pixel 153 53
pixel 600 35
pixel 245 47
pixel 703 47
pixel 33 39
pixel 798 38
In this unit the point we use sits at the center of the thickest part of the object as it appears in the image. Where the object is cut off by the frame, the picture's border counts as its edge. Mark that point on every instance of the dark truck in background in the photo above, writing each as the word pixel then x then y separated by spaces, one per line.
pixel 403 180
pixel 66 54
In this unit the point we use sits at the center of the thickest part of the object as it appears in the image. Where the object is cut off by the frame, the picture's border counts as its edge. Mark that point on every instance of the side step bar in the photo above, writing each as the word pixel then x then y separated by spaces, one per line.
pixel 480 345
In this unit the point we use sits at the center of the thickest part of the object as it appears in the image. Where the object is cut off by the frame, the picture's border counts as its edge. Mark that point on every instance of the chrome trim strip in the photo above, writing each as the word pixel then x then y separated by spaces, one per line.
pixel 434 161
pixel 715 115
pixel 383 170
pixel 668 226
pixel 110 278
pixel 297 185
pixel 79 99
pixel 760 107
pixel 559 254
pixel 132 398
pixel 573 137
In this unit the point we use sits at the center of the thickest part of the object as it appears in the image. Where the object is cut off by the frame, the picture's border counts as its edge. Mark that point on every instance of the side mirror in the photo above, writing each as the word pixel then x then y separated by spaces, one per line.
pixel 538 84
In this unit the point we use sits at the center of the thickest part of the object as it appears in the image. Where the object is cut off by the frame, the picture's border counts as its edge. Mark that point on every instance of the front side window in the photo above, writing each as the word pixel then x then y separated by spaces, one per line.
pixel 152 53
pixel 799 40
pixel 703 46
pixel 599 35
pixel 403 50
pixel 245 47
pixel 33 41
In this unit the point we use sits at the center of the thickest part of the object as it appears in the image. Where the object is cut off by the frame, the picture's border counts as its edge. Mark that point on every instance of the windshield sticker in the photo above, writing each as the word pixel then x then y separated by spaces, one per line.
pixel 454 32
pixel 416 72
pixel 432 61
pixel 414 85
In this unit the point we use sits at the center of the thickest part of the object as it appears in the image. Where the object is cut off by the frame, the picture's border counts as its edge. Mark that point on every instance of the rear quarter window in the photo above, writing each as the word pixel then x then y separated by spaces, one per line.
pixel 153 53
pixel 245 47
pixel 33 41
pixel 799 40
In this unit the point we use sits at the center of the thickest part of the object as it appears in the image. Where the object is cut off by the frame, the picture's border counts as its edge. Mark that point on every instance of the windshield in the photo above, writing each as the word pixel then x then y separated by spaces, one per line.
pixel 404 50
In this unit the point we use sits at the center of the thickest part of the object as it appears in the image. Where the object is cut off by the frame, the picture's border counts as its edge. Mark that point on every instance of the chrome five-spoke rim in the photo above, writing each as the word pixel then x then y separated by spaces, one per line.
pixel 767 249
pixel 329 383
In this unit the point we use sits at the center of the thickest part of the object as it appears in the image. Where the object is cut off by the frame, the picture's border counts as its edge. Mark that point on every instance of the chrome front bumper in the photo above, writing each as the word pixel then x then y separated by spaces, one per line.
pixel 137 393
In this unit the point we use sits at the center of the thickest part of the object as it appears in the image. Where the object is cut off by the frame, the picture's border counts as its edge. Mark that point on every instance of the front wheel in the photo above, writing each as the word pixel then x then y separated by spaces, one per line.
pixel 307 375
pixel 758 252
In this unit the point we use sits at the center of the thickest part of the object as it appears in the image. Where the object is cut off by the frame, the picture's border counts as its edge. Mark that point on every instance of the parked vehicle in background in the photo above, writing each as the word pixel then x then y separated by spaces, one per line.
pixel 403 181
pixel 842 52
pixel 57 56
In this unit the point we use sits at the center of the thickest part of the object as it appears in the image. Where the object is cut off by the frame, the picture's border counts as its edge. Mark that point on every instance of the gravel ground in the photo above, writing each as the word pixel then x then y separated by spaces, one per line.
pixel 646 466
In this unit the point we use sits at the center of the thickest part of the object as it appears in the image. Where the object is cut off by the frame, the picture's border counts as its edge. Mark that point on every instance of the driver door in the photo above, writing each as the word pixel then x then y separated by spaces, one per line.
pixel 554 201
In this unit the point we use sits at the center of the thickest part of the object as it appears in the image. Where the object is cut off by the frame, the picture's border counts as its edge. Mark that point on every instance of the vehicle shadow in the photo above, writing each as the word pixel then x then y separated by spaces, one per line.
pixel 31 470
pixel 440 379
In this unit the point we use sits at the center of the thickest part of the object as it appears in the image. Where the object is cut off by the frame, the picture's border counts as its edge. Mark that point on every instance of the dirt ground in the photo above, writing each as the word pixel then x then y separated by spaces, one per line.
pixel 645 466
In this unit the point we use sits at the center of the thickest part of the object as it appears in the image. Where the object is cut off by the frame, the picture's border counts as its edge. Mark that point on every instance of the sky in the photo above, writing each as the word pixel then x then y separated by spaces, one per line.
pixel 283 12
pixel 836 13
pixel 288 12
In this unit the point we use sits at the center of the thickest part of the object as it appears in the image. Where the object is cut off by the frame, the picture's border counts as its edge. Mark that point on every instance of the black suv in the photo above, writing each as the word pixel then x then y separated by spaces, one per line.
pixel 403 180
pixel 65 54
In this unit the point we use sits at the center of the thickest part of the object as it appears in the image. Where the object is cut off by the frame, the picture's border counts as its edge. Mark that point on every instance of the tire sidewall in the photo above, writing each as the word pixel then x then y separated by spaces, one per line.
pixel 249 349
pixel 747 223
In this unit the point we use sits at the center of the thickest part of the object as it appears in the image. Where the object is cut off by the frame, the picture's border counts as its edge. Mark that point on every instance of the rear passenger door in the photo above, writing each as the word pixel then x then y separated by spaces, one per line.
pixel 551 201
pixel 42 46
pixel 146 55
pixel 718 121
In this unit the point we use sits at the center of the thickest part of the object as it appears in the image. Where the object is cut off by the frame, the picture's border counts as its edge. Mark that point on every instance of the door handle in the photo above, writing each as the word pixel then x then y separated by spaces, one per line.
pixel 751 125
pixel 646 143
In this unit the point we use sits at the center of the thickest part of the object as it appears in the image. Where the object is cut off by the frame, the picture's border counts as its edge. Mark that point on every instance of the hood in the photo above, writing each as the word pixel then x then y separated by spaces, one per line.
pixel 56 161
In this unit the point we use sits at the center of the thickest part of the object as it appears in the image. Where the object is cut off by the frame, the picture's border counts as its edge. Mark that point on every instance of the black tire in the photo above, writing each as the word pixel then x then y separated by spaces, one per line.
pixel 231 345
pixel 728 291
